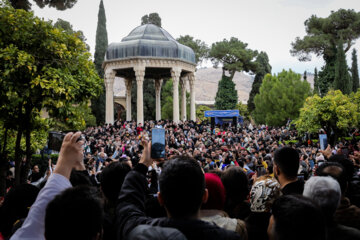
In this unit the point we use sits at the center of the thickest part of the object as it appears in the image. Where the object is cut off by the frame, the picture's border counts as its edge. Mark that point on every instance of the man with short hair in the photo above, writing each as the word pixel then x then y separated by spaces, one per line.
pixel 182 191
pixel 286 166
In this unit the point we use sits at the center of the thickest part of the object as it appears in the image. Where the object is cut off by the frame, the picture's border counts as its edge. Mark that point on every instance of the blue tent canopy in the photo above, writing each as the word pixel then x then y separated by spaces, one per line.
pixel 222 113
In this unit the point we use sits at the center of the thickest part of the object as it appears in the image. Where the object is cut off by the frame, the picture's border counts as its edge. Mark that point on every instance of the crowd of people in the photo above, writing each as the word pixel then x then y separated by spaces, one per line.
pixel 222 182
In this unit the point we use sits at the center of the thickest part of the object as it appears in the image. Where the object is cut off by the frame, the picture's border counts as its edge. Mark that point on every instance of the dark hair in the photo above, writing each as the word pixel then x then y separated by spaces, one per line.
pixel 335 170
pixel 287 159
pixel 112 178
pixel 182 186
pixel 236 186
pixel 74 214
pixel 293 214
pixel 16 206
pixel 346 163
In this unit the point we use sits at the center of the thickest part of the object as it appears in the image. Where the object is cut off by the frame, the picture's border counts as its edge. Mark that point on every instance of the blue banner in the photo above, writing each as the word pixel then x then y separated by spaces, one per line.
pixel 222 113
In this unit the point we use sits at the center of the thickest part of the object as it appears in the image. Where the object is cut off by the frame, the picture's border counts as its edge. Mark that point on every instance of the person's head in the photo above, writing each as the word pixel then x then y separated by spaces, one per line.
pixel 235 193
pixel 263 193
pixel 76 213
pixel 216 190
pixel 334 170
pixel 286 163
pixel 35 168
pixel 325 191
pixel 296 217
pixel 182 187
pixel 16 205
pixel 112 178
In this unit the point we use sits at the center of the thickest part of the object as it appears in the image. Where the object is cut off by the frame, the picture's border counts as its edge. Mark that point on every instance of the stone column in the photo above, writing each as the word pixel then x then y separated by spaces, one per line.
pixel 175 74
pixel 140 74
pixel 183 98
pixel 128 84
pixel 109 86
pixel 158 84
pixel 192 96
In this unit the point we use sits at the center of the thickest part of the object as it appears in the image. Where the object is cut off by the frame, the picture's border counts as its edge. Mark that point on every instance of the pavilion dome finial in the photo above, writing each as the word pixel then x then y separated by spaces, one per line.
pixel 151 41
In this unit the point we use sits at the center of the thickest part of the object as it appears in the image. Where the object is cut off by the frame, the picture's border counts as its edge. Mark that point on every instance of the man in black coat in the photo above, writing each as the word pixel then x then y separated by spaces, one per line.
pixel 182 191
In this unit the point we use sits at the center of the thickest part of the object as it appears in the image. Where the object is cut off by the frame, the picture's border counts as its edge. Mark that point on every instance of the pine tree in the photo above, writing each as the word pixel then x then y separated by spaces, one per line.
pixel 305 76
pixel 226 96
pixel 263 69
pixel 98 105
pixel 354 72
pixel 342 79
pixel 316 82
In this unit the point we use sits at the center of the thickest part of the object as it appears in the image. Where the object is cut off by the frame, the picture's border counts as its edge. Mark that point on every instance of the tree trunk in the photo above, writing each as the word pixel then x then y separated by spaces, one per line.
pixel 26 169
pixel 232 74
pixel 18 154
pixel 3 166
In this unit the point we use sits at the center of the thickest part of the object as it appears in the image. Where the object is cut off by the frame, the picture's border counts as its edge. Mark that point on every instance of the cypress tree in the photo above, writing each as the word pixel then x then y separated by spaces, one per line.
pixel 342 79
pixel 226 96
pixel 355 72
pixel 316 82
pixel 98 105
pixel 305 76
pixel 263 68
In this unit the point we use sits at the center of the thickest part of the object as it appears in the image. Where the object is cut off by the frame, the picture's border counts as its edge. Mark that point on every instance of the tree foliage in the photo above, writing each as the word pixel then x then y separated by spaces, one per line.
pixel 152 18
pixel 41 67
pixel 280 98
pixel 234 56
pixel 264 68
pixel 243 110
pixel 200 112
pixel 354 72
pixel 323 34
pixel 199 47
pixel 226 96
pixel 335 112
pixel 322 39
pixel 98 104
pixel 58 4
pixel 68 28
pixel 342 79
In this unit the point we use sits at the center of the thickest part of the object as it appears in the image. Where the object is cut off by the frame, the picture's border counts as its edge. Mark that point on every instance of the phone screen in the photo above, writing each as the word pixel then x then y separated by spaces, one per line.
pixel 158 143
pixel 323 141
pixel 55 140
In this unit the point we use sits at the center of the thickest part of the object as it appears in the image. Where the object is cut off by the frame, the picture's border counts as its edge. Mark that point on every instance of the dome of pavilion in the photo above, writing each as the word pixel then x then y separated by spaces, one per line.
pixel 149 41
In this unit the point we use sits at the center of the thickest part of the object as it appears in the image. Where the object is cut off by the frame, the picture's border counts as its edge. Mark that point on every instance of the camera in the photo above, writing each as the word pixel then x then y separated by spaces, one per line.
pixel 56 138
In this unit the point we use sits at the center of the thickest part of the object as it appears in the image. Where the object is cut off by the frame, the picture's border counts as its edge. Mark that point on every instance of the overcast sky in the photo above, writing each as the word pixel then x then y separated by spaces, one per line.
pixel 266 25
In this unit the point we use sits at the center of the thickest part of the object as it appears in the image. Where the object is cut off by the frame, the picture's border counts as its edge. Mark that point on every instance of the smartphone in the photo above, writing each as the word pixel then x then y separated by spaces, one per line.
pixel 55 140
pixel 323 141
pixel 157 143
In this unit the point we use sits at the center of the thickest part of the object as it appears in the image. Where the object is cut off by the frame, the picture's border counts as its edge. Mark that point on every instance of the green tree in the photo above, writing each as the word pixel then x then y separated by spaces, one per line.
pixel 98 104
pixel 234 56
pixel 58 4
pixel 335 112
pixel 243 110
pixel 342 79
pixel 316 82
pixel 264 68
pixel 322 38
pixel 152 18
pixel 226 96
pixel 41 67
pixel 280 98
pixel 199 47
pixel 68 28
pixel 200 112
pixel 354 72
pixel 305 76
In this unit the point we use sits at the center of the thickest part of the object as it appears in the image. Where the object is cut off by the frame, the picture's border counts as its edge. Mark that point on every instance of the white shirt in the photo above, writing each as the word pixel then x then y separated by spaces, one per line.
pixel 34 225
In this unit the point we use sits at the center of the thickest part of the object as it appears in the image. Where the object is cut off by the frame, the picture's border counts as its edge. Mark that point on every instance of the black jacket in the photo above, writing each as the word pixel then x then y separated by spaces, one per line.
pixel 130 212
